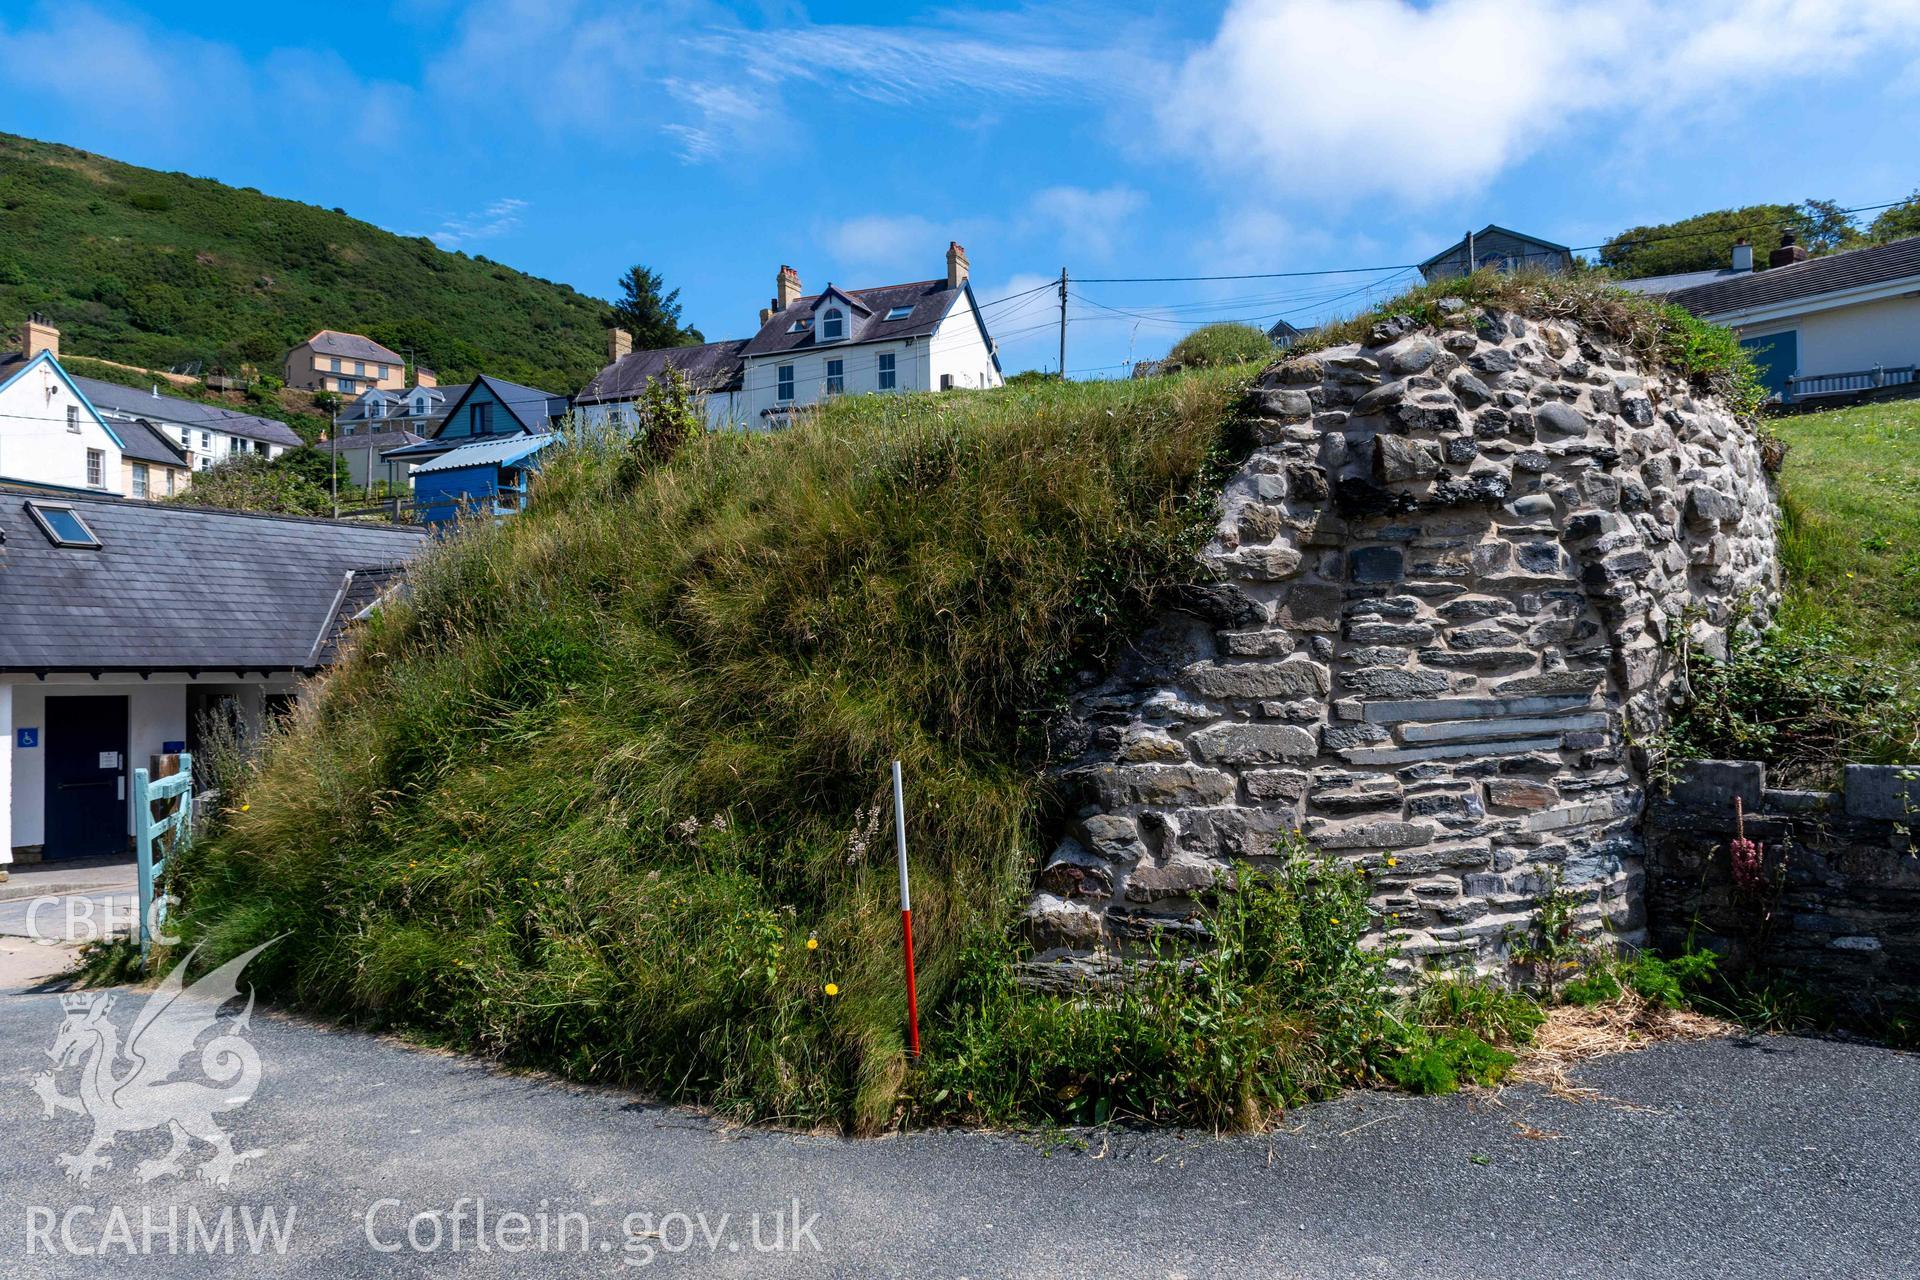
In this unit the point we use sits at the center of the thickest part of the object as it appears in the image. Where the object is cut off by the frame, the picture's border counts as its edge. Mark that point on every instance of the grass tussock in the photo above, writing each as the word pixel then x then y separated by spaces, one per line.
pixel 1213 346
pixel 604 793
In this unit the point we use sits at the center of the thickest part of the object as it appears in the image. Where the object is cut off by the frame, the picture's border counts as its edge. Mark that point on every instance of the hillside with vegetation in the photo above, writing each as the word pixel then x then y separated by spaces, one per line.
pixel 605 791
pixel 1704 242
pixel 161 269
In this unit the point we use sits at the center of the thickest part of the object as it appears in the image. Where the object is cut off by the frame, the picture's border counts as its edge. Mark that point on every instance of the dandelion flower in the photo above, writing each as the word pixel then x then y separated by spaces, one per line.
pixel 813 944
pixel 832 988
pixel 245 807
pixel 1393 862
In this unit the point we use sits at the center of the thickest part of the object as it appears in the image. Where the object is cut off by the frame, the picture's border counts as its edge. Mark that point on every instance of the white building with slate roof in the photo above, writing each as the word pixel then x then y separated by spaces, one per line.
pixel 127 623
pixel 927 335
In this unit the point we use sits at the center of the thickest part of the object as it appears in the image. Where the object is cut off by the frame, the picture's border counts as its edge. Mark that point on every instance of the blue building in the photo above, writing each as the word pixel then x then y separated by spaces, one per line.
pixel 482 452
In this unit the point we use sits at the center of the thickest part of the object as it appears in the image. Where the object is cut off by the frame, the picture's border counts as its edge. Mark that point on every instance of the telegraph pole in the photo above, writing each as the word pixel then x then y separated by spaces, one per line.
pixel 1063 324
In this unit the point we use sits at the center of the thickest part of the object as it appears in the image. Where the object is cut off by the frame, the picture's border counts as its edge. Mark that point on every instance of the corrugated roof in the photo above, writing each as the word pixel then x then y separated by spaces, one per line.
pixel 714 366
pixel 111 397
pixel 930 301
pixel 500 451
pixel 354 346
pixel 1854 269
pixel 176 588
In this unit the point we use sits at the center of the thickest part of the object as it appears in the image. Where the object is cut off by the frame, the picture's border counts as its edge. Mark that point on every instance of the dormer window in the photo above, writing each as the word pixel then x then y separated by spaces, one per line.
pixel 801 325
pixel 899 313
pixel 833 324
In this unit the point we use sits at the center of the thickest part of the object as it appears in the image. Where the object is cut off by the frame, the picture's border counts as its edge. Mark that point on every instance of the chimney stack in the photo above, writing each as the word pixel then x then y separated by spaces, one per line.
pixel 425 377
pixel 956 265
pixel 1788 252
pixel 766 314
pixel 1742 255
pixel 36 335
pixel 786 288
pixel 619 343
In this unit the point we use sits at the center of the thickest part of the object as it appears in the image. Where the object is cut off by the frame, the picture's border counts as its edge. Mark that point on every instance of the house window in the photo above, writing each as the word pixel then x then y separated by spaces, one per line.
pixel 836 377
pixel 206 463
pixel 378 409
pixel 171 474
pixel 73 418
pixel 886 371
pixel 96 468
pixel 62 525
pixel 479 419
pixel 833 324
pixel 383 373
pixel 899 313
pixel 206 442
pixel 946 382
pixel 139 479
pixel 333 365
pixel 348 385
pixel 785 389
pixel 360 367
pixel 186 438
pixel 420 407
pixel 800 326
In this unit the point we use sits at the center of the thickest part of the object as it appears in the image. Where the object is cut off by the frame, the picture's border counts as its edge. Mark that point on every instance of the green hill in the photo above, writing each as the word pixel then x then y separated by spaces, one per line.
pixel 155 269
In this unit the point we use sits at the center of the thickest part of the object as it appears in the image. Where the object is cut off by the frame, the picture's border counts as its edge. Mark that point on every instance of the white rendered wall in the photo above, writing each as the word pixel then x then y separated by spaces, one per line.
pixel 35 443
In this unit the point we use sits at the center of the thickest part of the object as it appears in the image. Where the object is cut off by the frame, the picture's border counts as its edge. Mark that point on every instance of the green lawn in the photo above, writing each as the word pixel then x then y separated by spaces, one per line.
pixel 1851 541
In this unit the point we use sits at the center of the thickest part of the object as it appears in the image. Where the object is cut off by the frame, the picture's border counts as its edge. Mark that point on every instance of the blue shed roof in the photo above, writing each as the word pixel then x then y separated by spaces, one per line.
pixel 501 451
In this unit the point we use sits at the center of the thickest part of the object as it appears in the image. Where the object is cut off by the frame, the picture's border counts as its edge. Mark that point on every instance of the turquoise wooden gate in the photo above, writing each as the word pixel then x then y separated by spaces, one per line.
pixel 149 832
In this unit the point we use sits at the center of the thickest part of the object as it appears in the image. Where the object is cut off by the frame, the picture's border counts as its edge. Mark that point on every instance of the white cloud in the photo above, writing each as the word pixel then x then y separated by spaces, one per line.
pixel 1354 98
pixel 1093 221
pixel 496 219
pixel 890 242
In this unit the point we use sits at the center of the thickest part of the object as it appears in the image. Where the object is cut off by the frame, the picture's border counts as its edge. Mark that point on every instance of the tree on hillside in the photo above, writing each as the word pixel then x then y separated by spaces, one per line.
pixel 1897 223
pixel 1705 241
pixel 649 311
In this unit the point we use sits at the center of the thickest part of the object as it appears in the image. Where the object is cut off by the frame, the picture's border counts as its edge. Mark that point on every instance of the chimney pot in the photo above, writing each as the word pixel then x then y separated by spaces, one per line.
pixel 1790 251
pixel 786 288
pixel 1742 255
pixel 956 265
pixel 619 343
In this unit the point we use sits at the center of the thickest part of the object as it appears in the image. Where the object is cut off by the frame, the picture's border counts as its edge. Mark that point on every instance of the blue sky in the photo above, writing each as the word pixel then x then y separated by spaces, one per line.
pixel 714 142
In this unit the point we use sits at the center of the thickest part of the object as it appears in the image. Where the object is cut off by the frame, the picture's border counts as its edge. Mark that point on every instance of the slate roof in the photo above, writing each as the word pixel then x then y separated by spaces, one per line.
pixel 714 366
pixel 360 590
pixel 111 397
pixel 930 300
pixel 353 346
pixel 499 451
pixel 143 442
pixel 378 441
pixel 1661 286
pixel 177 588
pixel 1494 229
pixel 531 407
pixel 1854 269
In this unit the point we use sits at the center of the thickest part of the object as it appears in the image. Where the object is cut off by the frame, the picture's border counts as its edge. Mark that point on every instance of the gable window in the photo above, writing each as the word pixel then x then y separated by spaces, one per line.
pixel 139 479
pixel 784 388
pixel 62 525
pixel 836 377
pixel 96 467
pixel 887 382
pixel 899 313
pixel 73 418
pixel 479 418
pixel 833 324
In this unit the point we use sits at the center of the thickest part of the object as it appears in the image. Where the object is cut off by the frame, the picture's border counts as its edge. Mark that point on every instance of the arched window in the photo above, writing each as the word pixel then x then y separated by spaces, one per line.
pixel 833 324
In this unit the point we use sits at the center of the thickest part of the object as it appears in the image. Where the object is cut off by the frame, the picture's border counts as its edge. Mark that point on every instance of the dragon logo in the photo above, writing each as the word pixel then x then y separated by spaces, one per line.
pixel 131 1089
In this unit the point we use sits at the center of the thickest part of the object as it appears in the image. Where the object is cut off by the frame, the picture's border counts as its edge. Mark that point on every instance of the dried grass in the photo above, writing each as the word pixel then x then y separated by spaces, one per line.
pixel 1572 1034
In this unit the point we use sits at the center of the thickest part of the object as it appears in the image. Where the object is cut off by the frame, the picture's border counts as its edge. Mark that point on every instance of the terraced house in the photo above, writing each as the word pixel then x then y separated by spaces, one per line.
pixel 926 335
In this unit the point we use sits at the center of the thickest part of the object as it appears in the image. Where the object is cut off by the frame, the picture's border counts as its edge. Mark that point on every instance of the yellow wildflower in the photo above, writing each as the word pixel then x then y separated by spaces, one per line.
pixel 833 988
pixel 813 944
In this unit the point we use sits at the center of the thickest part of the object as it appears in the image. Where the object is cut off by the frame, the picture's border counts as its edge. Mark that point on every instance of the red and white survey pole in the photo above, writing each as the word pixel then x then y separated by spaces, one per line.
pixel 906 910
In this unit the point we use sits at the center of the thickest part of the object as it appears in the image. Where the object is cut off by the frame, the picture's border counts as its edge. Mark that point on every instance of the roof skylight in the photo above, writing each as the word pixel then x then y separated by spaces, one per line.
pixel 899 313
pixel 62 525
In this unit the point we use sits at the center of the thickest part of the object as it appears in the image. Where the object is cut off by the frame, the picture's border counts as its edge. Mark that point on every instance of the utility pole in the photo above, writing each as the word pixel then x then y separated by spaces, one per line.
pixel 333 453
pixel 1063 324
pixel 1472 266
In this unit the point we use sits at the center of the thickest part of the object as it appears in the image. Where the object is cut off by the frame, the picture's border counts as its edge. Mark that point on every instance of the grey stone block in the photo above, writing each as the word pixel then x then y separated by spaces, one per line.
pixel 1491 730
pixel 1448 751
pixel 1889 791
pixel 1293 678
pixel 1254 743
pixel 1465 708
pixel 1713 784
pixel 1371 835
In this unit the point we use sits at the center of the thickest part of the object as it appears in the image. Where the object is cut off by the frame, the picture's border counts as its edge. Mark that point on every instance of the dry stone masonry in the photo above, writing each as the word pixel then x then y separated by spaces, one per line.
pixel 1441 590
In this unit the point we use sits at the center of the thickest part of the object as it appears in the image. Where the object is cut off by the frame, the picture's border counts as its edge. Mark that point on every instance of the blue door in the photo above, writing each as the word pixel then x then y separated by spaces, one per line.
pixel 86 759
pixel 1777 356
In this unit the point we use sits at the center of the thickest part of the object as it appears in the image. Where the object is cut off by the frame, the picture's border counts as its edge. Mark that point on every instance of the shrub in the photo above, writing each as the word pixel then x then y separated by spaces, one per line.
pixel 1218 345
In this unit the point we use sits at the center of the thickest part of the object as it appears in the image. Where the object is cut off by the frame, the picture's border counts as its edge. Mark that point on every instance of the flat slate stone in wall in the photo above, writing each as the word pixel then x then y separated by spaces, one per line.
pixel 1837 906
pixel 1439 595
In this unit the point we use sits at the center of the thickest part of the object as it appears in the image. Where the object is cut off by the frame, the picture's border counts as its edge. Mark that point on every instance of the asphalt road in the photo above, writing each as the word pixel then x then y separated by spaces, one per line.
pixel 1771 1157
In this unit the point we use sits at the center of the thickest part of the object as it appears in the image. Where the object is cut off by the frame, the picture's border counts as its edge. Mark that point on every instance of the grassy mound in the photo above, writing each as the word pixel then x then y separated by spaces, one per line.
pixel 606 792
pixel 1215 345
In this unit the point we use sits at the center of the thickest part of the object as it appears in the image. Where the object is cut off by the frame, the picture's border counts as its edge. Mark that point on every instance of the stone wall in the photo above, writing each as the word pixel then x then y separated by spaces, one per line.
pixel 1439 592
pixel 1835 905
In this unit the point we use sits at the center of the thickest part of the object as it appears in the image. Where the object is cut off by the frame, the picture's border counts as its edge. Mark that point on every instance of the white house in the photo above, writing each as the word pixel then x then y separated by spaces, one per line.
pixel 50 433
pixel 207 433
pixel 1840 323
pixel 128 623
pixel 928 335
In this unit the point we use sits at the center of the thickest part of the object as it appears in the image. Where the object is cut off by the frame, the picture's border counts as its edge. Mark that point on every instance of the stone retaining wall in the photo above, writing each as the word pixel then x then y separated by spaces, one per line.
pixel 1836 903
pixel 1440 592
